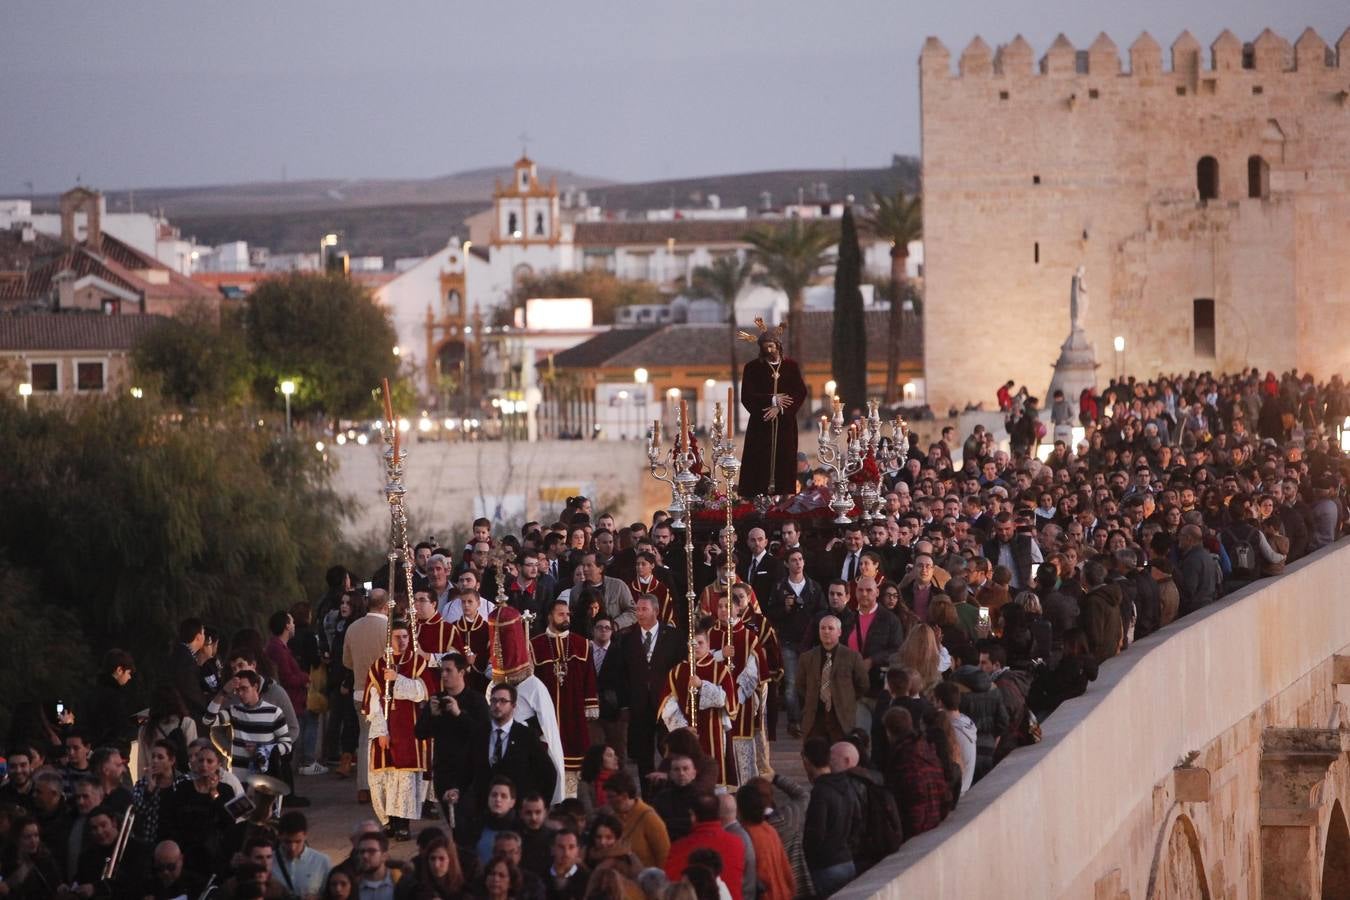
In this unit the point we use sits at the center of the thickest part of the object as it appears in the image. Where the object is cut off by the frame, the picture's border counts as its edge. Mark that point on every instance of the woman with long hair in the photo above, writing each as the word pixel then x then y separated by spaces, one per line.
pixel 922 652
pixel 168 721
pixel 27 869
pixel 597 765
pixel 339 885
pixel 437 875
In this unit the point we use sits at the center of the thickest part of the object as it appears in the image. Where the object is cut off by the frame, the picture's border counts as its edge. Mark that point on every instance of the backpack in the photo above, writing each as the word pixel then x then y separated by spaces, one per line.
pixel 880 832
pixel 1242 553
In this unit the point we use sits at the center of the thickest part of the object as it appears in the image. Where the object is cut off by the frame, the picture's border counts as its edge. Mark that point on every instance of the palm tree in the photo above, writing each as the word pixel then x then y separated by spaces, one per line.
pixel 788 259
pixel 900 219
pixel 723 281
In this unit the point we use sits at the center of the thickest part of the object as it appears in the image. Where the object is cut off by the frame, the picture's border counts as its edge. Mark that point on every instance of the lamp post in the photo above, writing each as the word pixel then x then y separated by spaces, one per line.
pixel 288 388
pixel 1119 344
pixel 26 391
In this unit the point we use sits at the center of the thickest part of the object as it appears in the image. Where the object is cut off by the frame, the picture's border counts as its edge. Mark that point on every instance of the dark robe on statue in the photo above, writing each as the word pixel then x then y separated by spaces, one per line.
pixel 757 390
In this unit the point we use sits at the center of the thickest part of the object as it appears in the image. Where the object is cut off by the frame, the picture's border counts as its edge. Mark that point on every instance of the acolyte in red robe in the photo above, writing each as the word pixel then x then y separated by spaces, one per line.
pixel 769 465
pixel 716 707
pixel 472 639
pixel 655 587
pixel 405 751
pixel 434 635
pixel 563 663
pixel 743 644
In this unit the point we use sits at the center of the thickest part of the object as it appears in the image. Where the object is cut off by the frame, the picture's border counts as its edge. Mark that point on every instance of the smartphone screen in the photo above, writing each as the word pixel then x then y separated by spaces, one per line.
pixel 368 585
pixel 60 708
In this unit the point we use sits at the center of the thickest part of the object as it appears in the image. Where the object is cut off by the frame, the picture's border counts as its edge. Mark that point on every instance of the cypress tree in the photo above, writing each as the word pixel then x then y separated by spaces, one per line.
pixel 848 359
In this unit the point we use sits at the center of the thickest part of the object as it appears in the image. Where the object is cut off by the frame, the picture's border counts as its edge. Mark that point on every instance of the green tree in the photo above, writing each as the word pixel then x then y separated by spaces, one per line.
pixel 789 258
pixel 848 356
pixel 723 281
pixel 900 220
pixel 325 333
pixel 125 521
pixel 194 359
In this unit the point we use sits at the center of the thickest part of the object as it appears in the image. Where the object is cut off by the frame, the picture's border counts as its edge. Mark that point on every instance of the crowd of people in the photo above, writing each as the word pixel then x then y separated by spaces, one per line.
pixel 552 719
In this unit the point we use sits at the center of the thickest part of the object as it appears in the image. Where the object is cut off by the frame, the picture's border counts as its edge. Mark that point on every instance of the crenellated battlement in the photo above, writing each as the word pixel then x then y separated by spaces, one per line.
pixel 1269 52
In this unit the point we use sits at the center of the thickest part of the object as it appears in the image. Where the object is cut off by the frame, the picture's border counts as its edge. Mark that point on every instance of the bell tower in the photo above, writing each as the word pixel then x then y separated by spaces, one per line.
pixel 525 210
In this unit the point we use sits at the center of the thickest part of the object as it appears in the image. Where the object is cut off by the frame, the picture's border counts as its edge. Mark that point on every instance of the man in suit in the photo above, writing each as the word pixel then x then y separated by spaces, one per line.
pixel 1018 552
pixel 506 747
pixel 610 728
pixel 760 570
pixel 647 653
pixel 183 672
pixel 843 556
pixel 830 679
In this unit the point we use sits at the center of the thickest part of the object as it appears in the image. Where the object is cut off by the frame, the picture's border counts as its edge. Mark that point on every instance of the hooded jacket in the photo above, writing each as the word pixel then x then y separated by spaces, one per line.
pixel 1100 620
pixel 985 707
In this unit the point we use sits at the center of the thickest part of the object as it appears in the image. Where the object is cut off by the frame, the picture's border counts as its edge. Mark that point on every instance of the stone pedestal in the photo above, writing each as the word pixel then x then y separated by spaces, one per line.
pixel 1075 369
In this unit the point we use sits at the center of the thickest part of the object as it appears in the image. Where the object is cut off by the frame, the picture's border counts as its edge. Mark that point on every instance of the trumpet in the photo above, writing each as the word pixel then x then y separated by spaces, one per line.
pixel 120 847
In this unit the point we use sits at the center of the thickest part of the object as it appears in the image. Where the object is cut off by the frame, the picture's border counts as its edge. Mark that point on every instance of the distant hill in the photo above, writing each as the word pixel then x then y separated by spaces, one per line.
pixel 395 218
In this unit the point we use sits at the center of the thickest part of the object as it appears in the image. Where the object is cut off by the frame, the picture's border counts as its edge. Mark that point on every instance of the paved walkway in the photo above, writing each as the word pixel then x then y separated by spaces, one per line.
pixel 334 810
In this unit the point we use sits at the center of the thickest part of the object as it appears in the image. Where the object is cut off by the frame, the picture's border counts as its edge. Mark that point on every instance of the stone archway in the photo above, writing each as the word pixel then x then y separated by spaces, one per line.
pixel 1178 865
pixel 1336 856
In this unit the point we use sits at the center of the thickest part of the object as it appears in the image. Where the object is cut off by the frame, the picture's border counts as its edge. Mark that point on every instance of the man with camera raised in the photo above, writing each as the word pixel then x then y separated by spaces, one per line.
pixel 451 718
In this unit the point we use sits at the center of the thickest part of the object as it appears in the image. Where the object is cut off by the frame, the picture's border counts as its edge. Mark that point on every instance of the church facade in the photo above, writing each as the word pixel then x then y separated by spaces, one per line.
pixel 1208 200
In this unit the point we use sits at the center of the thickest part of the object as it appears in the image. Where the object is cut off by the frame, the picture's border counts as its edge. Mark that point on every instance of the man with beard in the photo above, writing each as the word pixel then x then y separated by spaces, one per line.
pixel 563 663
pixel 772 391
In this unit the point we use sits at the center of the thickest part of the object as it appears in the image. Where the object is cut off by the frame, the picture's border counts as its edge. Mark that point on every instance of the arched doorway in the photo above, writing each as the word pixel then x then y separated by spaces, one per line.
pixel 1336 856
pixel 1179 871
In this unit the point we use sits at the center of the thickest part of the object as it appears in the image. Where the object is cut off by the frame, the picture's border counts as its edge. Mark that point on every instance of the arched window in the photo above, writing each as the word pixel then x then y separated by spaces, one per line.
pixel 1207 178
pixel 1258 178
pixel 512 225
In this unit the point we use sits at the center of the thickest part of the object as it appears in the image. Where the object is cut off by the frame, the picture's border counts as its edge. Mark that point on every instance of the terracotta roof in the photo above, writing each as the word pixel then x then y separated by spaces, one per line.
pixel 688 231
pixel 73 331
pixel 42 259
pixel 706 345
pixel 599 349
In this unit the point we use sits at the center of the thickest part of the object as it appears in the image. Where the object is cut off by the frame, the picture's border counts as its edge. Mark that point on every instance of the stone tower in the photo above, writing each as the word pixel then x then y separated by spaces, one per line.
pixel 1209 198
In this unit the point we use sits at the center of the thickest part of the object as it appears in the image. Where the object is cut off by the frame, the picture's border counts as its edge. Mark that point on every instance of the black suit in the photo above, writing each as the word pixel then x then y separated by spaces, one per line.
pixel 766 574
pixel 644 682
pixel 526 762
pixel 831 565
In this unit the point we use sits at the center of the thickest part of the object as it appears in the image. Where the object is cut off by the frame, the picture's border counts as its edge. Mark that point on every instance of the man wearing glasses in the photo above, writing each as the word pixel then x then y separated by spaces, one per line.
pixel 506 747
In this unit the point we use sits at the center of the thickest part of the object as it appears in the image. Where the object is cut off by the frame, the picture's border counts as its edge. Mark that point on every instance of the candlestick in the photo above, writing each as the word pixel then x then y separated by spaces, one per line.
pixel 731 409
pixel 656 434
pixel 684 425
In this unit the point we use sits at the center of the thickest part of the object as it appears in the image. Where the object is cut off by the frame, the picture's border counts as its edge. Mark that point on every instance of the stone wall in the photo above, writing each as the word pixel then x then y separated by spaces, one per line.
pixel 451 483
pixel 1030 173
pixel 1101 809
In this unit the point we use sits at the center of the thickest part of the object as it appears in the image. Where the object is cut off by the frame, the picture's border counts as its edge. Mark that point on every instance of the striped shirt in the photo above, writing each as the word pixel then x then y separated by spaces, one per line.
pixel 263 725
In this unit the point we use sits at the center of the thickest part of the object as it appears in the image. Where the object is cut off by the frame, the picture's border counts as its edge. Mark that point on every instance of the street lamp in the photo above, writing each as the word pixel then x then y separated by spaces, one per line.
pixel 1119 344
pixel 640 375
pixel 288 388
pixel 25 391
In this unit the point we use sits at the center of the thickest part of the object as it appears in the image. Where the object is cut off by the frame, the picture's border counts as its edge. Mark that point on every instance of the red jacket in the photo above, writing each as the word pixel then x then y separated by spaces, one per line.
pixel 715 838
pixel 294 679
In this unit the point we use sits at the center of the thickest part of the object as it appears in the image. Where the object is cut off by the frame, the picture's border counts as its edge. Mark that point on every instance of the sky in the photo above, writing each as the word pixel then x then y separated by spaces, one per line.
pixel 135 93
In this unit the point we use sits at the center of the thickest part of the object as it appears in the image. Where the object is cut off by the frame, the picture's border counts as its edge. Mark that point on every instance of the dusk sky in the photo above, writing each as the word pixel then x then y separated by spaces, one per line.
pixel 147 94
